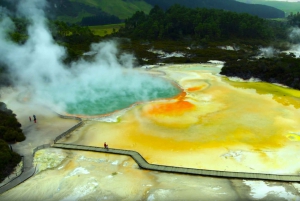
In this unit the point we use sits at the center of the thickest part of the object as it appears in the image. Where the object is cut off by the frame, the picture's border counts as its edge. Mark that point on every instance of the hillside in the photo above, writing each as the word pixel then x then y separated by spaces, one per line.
pixel 120 8
pixel 262 11
pixel 103 11
pixel 285 6
pixel 100 12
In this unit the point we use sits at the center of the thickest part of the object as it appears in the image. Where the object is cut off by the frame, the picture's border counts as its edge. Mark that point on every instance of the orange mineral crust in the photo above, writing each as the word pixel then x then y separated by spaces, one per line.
pixel 178 107
pixel 194 89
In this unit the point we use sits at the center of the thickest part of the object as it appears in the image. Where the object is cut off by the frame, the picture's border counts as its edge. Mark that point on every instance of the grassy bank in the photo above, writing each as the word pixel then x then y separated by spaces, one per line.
pixel 103 30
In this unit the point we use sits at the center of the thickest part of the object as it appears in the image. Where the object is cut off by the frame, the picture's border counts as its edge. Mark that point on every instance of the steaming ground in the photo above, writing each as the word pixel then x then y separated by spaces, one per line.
pixel 158 130
pixel 37 69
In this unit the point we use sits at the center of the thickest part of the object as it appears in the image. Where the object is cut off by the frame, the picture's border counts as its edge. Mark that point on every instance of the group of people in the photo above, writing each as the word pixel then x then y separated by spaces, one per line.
pixel 34 118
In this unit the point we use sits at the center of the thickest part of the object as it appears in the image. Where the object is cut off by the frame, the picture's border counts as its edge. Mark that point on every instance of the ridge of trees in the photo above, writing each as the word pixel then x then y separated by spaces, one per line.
pixel 10 131
pixel 262 11
pixel 179 22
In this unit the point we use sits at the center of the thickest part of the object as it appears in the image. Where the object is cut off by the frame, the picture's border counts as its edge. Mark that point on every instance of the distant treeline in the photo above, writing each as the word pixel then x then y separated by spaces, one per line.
pixel 262 11
pixel 179 22
pixel 284 69
pixel 10 131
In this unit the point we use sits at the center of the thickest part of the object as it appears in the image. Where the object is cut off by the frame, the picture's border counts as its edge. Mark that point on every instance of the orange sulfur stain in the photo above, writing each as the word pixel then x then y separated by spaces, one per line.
pixel 192 89
pixel 176 108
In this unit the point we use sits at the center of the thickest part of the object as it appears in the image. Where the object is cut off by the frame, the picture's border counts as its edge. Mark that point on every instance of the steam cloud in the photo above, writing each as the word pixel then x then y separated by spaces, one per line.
pixel 37 66
pixel 268 52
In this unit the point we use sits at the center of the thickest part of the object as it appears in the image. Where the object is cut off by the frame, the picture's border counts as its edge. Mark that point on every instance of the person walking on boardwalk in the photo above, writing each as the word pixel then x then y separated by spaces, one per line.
pixel 29 118
pixel 105 145
pixel 34 118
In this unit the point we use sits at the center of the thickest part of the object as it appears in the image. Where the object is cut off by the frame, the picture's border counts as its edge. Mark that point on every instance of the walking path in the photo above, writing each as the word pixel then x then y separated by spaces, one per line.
pixel 145 165
pixel 23 177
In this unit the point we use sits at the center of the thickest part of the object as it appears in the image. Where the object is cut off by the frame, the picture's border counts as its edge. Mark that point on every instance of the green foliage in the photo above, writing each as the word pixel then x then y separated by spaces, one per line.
pixel 286 6
pixel 8 160
pixel 100 20
pixel 103 30
pixel 294 19
pixel 10 131
pixel 284 70
pixel 71 12
pixel 262 11
pixel 201 24
pixel 10 128
pixel 120 8
pixel 196 52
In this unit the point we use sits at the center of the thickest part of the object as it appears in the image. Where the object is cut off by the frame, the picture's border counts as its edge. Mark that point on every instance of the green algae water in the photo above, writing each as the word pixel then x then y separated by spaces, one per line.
pixel 103 97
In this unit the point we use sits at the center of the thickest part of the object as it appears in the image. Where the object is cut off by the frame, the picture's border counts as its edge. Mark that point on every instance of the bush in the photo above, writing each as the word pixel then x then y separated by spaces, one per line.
pixel 10 128
pixel 8 160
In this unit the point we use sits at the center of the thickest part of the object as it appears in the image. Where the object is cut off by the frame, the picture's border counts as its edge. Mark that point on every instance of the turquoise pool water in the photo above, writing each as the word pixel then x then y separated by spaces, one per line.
pixel 102 97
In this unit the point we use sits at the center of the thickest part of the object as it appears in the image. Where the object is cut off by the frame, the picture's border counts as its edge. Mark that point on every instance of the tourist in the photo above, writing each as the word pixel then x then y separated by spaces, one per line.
pixel 105 145
pixel 34 118
pixel 29 118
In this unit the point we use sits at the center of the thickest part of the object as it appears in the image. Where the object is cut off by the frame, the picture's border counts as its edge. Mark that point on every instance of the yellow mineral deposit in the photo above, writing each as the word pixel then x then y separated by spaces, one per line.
pixel 214 123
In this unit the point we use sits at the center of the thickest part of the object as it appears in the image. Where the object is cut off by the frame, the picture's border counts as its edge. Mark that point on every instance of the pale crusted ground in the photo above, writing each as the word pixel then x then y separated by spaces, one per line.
pixel 77 175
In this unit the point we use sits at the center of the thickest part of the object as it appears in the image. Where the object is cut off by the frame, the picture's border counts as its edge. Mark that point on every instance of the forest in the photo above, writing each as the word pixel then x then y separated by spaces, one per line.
pixel 179 22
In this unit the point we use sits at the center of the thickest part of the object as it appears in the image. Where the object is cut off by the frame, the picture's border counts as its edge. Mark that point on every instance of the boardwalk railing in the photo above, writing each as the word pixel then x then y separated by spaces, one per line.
pixel 67 132
pixel 44 146
pixel 69 117
pixel 214 173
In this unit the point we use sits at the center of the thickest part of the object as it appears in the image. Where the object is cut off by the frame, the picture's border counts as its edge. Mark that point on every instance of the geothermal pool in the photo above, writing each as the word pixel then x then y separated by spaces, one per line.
pixel 214 123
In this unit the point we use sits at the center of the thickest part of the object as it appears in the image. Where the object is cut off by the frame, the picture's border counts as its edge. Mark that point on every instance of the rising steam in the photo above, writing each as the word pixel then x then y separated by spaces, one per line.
pixel 37 66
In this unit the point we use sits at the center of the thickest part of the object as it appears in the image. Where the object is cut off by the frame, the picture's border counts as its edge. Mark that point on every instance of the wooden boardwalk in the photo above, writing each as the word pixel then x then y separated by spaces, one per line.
pixel 213 173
